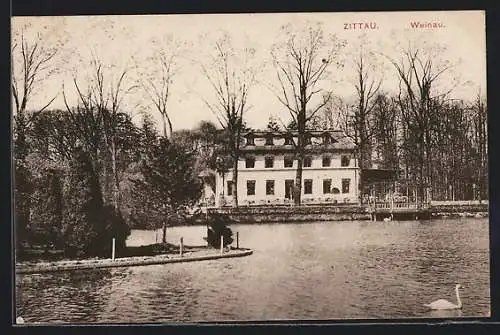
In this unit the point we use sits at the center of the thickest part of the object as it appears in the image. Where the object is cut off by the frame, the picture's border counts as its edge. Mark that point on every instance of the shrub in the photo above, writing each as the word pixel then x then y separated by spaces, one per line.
pixel 115 227
pixel 217 227
pixel 22 191
pixel 83 222
pixel 46 211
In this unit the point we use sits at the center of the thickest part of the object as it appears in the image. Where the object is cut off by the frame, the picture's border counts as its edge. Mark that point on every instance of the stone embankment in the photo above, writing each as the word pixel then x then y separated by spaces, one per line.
pixel 342 212
pixel 460 208
pixel 200 255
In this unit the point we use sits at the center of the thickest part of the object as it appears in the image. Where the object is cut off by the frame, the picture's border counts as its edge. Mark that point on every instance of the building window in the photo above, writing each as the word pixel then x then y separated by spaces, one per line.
pixel 288 188
pixel 345 185
pixel 250 187
pixel 269 161
pixel 345 160
pixel 250 140
pixel 288 161
pixel 229 187
pixel 308 186
pixel 288 140
pixel 269 140
pixel 307 161
pixel 269 187
pixel 327 186
pixel 326 161
pixel 250 162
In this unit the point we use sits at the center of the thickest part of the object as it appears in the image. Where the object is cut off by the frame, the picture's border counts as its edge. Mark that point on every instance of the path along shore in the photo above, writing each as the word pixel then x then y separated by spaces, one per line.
pixel 199 255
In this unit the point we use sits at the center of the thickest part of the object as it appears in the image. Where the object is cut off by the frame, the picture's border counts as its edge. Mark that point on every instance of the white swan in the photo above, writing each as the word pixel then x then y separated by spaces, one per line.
pixel 442 304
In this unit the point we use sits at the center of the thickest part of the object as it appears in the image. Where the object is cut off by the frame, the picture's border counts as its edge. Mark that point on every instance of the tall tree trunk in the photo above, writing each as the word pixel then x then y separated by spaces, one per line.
pixel 116 182
pixel 361 183
pixel 235 182
pixel 301 143
pixel 166 220
pixel 298 180
pixel 164 232
pixel 104 183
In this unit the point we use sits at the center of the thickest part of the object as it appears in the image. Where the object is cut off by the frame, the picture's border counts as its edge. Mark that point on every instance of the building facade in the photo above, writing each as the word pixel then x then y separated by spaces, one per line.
pixel 267 169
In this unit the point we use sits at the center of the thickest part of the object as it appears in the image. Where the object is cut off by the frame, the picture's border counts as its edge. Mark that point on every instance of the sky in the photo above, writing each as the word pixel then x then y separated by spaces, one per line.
pixel 128 42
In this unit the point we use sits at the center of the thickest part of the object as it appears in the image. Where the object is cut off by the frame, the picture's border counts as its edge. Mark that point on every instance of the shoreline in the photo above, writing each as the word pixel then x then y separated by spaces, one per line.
pixel 89 264
pixel 252 215
pixel 349 216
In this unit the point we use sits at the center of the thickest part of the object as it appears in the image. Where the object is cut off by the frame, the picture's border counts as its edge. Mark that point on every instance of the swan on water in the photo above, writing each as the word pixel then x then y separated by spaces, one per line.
pixel 442 304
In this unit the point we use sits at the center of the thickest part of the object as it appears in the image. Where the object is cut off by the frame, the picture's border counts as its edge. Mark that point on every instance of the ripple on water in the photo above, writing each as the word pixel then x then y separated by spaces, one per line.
pixel 300 271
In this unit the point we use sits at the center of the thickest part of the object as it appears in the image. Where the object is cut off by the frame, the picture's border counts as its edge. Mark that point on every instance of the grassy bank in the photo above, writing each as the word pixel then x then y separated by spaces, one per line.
pixel 193 255
pixel 39 254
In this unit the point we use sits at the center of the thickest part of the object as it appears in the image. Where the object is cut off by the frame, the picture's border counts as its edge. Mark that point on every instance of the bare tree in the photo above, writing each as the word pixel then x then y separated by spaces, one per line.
pixel 301 63
pixel 418 105
pixel 99 112
pixel 358 119
pixel 158 84
pixel 30 65
pixel 231 74
pixel 480 140
pixel 366 92
pixel 386 119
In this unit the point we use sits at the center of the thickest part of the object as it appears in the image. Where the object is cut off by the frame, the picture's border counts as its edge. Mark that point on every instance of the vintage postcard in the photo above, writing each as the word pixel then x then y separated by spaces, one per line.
pixel 250 167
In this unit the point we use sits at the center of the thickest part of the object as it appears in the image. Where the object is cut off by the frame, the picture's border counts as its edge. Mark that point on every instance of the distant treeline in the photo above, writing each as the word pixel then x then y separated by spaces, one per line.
pixel 442 148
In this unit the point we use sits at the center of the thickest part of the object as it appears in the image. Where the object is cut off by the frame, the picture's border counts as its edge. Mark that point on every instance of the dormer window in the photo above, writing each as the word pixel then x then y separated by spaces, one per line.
pixel 288 140
pixel 327 139
pixel 250 140
pixel 307 139
pixel 269 140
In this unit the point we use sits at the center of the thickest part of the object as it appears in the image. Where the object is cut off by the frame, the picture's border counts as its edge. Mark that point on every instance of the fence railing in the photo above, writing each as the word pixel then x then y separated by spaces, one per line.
pixel 459 202
pixel 397 205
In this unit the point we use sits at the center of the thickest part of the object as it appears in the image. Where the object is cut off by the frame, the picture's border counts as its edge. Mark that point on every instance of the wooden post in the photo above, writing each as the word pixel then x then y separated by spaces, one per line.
pixel 221 244
pixel 113 249
pixel 392 206
pixel 237 240
pixel 181 247
pixel 208 244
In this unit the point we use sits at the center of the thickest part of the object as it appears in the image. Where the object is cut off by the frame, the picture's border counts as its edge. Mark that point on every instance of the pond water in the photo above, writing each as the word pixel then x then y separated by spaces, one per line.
pixel 310 271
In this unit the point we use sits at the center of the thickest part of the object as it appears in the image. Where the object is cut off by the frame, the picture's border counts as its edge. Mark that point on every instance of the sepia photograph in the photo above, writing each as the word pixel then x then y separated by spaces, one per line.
pixel 208 168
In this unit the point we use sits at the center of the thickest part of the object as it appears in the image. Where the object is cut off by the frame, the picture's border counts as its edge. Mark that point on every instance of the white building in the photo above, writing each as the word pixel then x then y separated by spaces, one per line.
pixel 267 168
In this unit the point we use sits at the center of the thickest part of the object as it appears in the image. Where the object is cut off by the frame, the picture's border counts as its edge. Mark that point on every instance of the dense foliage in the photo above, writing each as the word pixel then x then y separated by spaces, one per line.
pixel 82 220
pixel 65 180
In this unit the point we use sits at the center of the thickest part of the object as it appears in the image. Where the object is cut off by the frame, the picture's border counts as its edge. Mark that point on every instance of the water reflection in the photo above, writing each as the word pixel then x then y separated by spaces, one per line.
pixel 332 270
pixel 67 297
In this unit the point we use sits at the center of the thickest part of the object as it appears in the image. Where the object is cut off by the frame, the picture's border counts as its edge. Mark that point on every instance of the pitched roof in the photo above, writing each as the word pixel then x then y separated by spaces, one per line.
pixel 340 141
